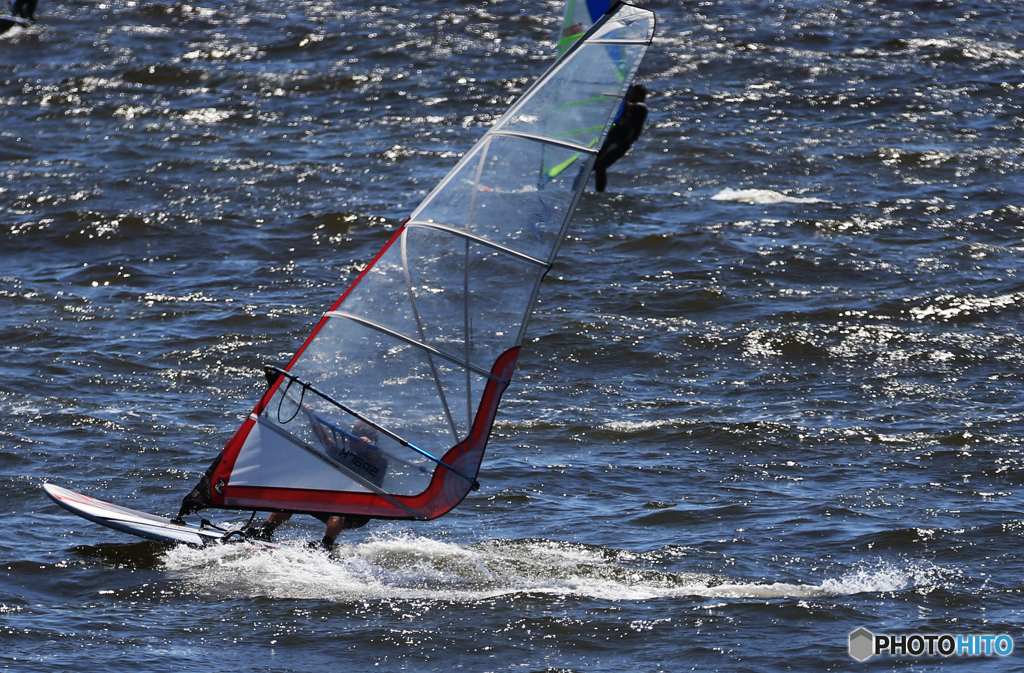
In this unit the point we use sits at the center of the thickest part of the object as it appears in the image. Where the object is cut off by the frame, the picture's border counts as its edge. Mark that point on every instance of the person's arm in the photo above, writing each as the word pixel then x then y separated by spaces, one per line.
pixel 317 426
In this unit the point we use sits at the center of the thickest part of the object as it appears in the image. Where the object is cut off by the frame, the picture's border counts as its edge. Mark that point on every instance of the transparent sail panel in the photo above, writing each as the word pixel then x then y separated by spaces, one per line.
pixel 631 24
pixel 454 294
pixel 397 385
pixel 582 110
pixel 505 193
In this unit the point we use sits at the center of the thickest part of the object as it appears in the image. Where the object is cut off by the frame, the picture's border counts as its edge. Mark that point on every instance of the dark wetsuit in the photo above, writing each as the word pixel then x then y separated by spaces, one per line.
pixel 26 9
pixel 622 136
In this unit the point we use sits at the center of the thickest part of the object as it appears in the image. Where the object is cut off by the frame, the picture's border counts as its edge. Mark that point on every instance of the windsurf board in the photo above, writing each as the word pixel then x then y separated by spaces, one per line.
pixel 8 22
pixel 132 521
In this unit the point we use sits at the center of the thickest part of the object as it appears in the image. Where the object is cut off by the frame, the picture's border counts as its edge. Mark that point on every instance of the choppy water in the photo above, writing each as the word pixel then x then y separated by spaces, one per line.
pixel 772 394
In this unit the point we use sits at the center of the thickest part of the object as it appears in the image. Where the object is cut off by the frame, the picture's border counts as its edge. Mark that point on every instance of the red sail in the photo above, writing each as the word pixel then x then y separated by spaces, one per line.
pixel 387 408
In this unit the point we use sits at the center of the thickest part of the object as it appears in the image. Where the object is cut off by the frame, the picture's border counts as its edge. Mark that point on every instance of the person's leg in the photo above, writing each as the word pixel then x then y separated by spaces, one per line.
pixel 609 155
pixel 264 531
pixel 277 518
pixel 335 525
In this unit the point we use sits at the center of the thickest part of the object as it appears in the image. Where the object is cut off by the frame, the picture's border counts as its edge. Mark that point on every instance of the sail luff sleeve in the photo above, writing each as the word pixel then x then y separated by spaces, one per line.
pixel 425 341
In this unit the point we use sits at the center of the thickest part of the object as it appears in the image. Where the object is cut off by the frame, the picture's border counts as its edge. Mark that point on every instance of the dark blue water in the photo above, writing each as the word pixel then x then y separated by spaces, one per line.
pixel 772 393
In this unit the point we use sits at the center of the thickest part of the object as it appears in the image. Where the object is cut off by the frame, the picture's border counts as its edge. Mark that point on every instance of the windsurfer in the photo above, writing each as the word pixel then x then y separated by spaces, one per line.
pixel 623 134
pixel 25 9
pixel 361 448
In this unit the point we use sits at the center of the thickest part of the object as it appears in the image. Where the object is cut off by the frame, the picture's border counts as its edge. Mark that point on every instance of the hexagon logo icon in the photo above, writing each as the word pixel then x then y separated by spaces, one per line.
pixel 862 644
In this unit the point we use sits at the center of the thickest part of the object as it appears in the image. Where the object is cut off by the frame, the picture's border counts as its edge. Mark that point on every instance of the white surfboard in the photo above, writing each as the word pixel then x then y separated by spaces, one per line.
pixel 132 521
pixel 7 22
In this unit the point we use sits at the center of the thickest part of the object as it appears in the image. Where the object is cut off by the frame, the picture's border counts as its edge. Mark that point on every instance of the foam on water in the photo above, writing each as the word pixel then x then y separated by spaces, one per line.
pixel 406 567
pixel 761 197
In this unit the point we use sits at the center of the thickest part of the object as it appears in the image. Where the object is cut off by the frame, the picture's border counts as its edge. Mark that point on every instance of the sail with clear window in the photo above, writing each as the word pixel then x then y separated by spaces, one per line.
pixel 387 407
pixel 578 17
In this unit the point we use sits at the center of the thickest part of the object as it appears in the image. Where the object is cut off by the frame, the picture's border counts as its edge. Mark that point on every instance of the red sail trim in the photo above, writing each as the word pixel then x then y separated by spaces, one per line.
pixel 229 455
pixel 445 491
pixel 234 445
pixel 335 305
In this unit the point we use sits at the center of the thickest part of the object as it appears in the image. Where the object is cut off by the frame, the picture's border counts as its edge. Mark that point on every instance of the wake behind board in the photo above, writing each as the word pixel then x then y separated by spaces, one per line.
pixel 131 521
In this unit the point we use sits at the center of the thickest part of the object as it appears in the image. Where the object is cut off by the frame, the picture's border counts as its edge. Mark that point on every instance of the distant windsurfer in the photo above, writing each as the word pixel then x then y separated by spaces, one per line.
pixel 362 449
pixel 623 134
pixel 25 9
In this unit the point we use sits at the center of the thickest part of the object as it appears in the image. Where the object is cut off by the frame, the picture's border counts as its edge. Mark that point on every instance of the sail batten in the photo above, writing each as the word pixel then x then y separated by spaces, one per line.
pixel 620 43
pixel 482 241
pixel 417 344
pixel 576 147
pixel 407 369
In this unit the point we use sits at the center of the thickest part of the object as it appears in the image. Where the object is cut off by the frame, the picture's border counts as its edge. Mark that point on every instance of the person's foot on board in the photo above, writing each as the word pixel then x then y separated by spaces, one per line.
pixel 325 544
pixel 258 531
